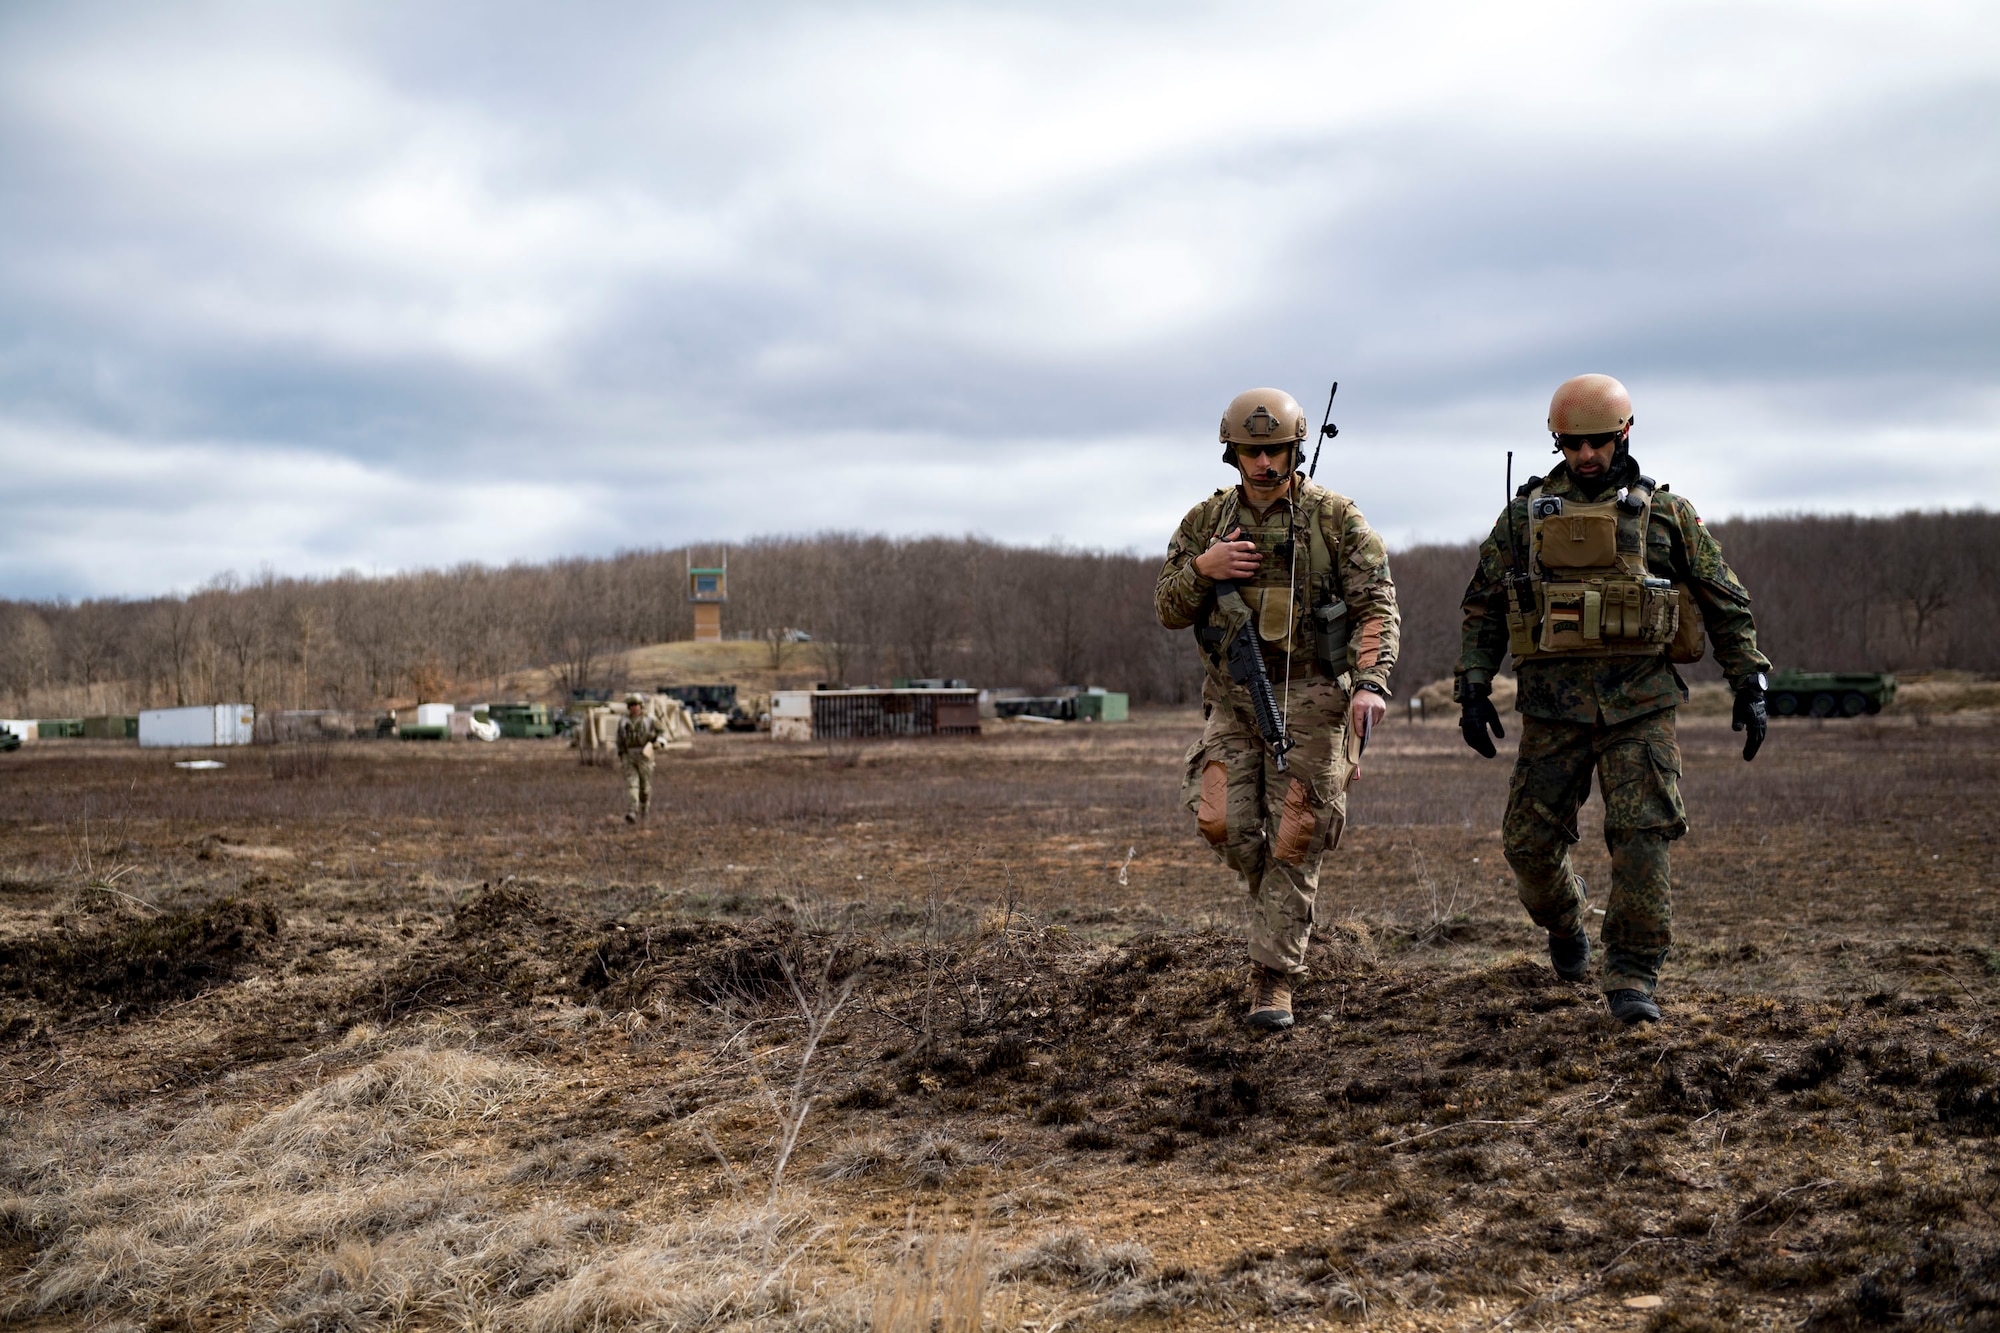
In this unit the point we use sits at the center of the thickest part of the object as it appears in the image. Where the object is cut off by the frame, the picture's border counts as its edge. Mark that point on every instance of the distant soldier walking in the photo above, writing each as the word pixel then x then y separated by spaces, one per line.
pixel 1598 581
pixel 1288 589
pixel 638 733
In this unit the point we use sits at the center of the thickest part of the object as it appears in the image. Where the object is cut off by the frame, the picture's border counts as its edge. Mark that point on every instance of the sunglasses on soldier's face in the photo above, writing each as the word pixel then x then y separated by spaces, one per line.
pixel 1249 451
pixel 1597 440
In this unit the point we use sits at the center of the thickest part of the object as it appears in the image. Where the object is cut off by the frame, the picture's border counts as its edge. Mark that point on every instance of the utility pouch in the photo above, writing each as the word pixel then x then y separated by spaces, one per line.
pixel 1274 614
pixel 1571 617
pixel 1578 540
pixel 1688 642
pixel 1329 629
pixel 1624 609
pixel 1520 633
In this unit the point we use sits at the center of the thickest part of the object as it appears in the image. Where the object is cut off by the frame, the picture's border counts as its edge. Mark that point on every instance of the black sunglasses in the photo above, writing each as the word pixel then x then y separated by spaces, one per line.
pixel 1596 440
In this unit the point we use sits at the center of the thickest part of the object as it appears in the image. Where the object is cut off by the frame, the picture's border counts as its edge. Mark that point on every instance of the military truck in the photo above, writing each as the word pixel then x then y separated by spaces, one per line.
pixel 710 707
pixel 522 720
pixel 1829 693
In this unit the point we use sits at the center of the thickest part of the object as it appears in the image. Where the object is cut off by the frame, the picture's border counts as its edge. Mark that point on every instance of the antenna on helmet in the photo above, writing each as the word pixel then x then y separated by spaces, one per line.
pixel 1327 430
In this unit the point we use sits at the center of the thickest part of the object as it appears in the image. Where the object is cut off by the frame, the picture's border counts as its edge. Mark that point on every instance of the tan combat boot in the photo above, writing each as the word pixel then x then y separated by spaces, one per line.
pixel 1270 998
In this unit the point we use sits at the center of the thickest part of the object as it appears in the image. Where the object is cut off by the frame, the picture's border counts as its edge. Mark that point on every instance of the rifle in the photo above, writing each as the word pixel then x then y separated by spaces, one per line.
pixel 1238 641
pixel 1520 621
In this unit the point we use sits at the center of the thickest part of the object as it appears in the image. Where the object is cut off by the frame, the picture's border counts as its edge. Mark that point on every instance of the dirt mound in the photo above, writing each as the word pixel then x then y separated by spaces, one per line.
pixel 107 950
pixel 506 941
pixel 752 965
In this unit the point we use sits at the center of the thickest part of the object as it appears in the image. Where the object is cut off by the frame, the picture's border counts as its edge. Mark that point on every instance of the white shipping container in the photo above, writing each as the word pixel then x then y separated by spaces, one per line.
pixel 791 715
pixel 24 727
pixel 433 715
pixel 208 724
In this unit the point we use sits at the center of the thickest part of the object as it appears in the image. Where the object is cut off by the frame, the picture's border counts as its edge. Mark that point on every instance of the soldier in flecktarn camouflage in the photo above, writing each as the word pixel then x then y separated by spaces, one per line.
pixel 1598 581
pixel 1287 573
pixel 638 733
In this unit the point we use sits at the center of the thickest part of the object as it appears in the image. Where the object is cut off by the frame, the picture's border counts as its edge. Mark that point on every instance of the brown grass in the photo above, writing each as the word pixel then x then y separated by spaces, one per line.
pixel 590 1092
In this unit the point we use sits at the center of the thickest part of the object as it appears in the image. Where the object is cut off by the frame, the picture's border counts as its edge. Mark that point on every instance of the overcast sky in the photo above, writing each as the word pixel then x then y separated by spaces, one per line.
pixel 380 286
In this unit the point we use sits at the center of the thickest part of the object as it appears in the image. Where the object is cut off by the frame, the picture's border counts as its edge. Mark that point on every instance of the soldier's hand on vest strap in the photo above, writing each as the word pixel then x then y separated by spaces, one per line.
pixel 1749 715
pixel 1228 558
pixel 1476 716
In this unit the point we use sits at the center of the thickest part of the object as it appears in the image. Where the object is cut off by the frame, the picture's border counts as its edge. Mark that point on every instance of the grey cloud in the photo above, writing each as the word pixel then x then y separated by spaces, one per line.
pixel 612 260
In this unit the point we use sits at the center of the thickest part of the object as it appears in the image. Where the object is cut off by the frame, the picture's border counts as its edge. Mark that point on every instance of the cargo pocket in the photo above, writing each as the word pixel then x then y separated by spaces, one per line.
pixel 1543 788
pixel 1641 781
pixel 1213 812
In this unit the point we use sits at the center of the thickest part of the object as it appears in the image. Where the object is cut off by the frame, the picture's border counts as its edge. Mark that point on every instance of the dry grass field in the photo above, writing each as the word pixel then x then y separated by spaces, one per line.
pixel 946 1034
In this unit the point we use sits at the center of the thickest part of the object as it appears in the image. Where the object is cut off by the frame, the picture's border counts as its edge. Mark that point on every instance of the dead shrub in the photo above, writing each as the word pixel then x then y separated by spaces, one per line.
pixel 1072 1258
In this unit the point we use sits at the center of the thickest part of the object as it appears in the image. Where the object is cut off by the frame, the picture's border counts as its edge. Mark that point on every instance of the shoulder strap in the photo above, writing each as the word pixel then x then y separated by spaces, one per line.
pixel 1227 514
pixel 1533 492
pixel 1320 547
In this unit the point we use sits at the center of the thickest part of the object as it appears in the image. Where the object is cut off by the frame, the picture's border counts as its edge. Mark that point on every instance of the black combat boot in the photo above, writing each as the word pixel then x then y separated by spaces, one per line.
pixel 1570 954
pixel 1632 1006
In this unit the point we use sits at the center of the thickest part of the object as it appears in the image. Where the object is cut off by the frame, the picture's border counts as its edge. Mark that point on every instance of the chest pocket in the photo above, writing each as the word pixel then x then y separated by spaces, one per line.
pixel 1272 608
pixel 1579 541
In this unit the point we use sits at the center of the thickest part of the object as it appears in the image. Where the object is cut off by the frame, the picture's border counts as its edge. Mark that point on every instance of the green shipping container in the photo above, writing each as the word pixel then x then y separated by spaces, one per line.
pixel 112 727
pixel 1103 708
pixel 51 728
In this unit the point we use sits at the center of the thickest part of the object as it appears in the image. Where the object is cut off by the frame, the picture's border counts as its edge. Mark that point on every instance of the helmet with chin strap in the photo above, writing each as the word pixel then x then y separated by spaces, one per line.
pixel 1266 417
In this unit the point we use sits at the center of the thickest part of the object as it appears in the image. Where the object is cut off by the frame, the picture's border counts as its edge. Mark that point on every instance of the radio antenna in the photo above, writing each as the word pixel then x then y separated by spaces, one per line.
pixel 1327 430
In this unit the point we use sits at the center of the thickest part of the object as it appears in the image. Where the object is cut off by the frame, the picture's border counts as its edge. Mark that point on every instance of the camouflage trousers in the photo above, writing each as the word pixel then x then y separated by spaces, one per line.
pixel 638 783
pixel 1272 828
pixel 1638 768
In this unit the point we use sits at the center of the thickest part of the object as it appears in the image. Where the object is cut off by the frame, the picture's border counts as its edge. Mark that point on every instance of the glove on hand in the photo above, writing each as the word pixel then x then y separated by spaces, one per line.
pixel 1475 715
pixel 1749 714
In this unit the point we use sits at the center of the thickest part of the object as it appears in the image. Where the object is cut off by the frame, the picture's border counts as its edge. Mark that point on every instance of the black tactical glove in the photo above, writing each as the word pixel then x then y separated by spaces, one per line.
pixel 1475 715
pixel 1749 713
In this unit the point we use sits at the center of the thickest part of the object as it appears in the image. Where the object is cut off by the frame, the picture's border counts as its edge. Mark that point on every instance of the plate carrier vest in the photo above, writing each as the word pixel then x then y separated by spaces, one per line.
pixel 1272 609
pixel 1593 596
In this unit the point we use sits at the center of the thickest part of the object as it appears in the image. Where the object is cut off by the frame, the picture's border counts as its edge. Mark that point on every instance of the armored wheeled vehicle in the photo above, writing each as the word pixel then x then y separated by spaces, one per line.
pixel 1829 693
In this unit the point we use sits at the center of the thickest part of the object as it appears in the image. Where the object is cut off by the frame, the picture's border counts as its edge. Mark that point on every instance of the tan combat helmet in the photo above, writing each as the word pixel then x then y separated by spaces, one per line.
pixel 1589 405
pixel 631 699
pixel 1264 416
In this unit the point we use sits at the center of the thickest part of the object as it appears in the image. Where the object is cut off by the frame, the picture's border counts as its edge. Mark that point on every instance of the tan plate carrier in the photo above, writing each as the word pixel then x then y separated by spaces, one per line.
pixel 1593 594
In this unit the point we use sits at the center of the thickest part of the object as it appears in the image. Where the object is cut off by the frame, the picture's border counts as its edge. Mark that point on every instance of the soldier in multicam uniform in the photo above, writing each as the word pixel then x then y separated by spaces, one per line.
pixel 1316 579
pixel 638 733
pixel 1598 581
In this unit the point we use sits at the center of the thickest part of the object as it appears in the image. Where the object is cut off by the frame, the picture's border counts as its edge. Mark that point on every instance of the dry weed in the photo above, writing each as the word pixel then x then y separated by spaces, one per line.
pixel 1075 1259
pixel 735 1266
pixel 937 1286
pixel 345 1205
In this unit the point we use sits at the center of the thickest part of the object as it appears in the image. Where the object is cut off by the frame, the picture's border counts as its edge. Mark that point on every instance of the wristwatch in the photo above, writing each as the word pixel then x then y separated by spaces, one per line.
pixel 1756 680
pixel 1372 688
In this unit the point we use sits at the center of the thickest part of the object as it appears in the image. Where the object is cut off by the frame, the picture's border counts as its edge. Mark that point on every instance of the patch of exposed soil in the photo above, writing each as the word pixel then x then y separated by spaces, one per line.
pixel 105 950
pixel 992 994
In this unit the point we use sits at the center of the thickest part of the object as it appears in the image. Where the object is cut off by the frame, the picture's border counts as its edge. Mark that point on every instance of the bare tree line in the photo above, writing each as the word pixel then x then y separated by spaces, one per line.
pixel 874 608
pixel 1911 592
pixel 1918 591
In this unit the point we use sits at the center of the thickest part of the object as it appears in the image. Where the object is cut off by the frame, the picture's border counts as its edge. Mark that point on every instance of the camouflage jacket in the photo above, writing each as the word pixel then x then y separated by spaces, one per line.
pixel 635 734
pixel 1610 689
pixel 1358 573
